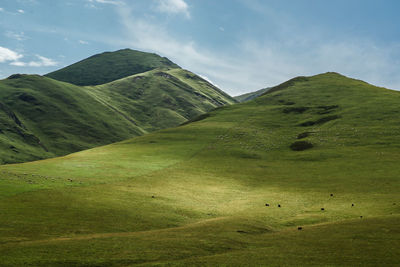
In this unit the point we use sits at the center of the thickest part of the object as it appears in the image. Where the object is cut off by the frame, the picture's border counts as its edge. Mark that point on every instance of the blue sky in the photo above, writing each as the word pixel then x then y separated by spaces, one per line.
pixel 240 45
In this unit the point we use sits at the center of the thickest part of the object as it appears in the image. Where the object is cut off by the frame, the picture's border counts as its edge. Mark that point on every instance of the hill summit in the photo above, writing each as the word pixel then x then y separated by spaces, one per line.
pixel 110 66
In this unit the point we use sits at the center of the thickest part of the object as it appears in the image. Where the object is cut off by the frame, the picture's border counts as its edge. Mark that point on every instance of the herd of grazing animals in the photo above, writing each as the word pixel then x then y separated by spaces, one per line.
pixel 322 209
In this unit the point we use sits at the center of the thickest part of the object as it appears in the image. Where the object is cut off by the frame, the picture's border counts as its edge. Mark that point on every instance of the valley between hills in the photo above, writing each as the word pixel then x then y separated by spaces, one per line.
pixel 155 166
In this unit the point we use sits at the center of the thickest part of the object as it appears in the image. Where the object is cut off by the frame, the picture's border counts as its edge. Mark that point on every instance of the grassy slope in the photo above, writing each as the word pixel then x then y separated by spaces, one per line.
pixel 66 118
pixel 110 66
pixel 161 99
pixel 211 179
pixel 251 95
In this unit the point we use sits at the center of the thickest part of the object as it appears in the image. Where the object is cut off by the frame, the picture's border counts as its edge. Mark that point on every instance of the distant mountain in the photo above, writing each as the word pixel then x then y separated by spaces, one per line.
pixel 110 66
pixel 251 96
pixel 41 117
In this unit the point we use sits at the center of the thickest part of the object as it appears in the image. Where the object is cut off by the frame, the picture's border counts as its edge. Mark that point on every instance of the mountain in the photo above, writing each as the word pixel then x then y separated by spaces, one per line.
pixel 110 66
pixel 41 117
pixel 251 95
pixel 306 174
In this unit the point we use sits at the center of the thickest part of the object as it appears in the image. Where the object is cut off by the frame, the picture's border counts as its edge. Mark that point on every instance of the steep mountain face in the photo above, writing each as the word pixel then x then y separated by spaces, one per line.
pixel 110 66
pixel 41 117
pixel 310 167
pixel 251 95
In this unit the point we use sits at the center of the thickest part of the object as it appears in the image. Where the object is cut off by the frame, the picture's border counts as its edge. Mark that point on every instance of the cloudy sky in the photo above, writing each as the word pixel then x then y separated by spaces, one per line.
pixel 240 45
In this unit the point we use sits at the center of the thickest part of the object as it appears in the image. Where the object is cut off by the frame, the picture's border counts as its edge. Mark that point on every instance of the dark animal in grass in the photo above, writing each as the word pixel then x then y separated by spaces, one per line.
pixel 279 205
pixel 352 204
pixel 361 217
pixel 322 208
pixel 153 197
pixel 299 228
pixel 331 195
pixel 267 205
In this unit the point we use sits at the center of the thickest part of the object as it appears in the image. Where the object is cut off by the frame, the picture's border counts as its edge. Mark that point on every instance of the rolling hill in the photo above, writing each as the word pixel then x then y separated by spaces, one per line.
pixel 41 117
pixel 306 174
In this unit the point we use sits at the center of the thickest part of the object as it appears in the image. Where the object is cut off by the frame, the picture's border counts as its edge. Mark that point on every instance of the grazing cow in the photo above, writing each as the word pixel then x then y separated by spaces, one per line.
pixel 153 197
pixel 352 204
pixel 331 195
pixel 322 208
pixel 361 217
pixel 299 228
pixel 279 205
pixel 267 205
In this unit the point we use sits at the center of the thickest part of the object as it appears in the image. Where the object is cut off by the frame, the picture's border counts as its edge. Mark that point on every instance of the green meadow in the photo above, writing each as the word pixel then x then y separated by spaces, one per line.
pixel 305 174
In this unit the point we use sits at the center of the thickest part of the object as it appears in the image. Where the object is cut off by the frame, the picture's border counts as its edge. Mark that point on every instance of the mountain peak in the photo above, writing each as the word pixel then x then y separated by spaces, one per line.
pixel 110 66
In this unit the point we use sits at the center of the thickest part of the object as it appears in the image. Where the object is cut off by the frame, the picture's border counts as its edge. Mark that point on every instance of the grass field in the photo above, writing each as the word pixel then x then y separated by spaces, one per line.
pixel 197 194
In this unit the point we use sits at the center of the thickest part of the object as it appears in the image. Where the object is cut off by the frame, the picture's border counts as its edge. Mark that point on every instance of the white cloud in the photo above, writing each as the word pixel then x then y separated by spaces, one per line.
pixel 18 64
pixel 110 2
pixel 92 3
pixel 21 11
pixel 1 9
pixel 8 55
pixel 15 35
pixel 173 7
pixel 42 62
pixel 83 42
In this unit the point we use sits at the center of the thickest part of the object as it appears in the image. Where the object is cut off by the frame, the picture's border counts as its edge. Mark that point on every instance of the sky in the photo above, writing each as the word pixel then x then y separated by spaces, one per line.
pixel 239 45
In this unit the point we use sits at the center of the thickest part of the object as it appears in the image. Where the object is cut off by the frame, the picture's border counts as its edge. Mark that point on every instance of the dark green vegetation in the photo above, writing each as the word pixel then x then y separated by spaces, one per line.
pixel 41 117
pixel 197 194
pixel 301 145
pixel 110 66
pixel 251 96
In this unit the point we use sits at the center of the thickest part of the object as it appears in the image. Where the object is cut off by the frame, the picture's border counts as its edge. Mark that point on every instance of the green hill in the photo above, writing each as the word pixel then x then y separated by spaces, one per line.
pixel 110 66
pixel 317 152
pixel 41 117
pixel 251 95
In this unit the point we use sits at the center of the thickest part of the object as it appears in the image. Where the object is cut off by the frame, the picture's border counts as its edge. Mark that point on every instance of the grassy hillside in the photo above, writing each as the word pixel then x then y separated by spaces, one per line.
pixel 251 95
pixel 41 117
pixel 110 66
pixel 317 152
pixel 163 98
